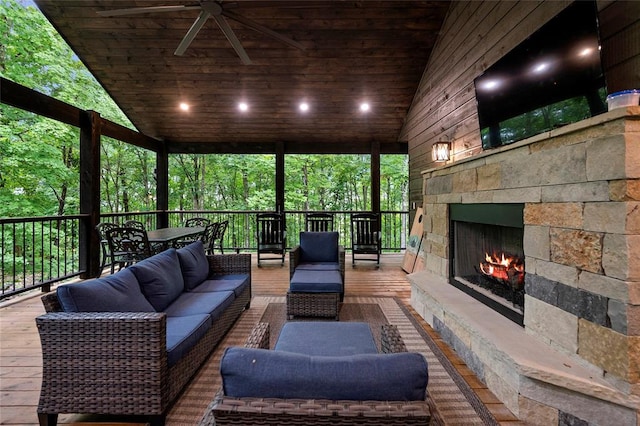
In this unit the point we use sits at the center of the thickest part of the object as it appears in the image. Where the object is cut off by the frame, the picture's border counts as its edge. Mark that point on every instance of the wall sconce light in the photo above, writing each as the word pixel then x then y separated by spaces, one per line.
pixel 441 151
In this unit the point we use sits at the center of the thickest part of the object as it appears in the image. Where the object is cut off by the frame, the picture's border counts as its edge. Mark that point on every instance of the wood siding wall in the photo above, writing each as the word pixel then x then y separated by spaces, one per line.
pixel 473 37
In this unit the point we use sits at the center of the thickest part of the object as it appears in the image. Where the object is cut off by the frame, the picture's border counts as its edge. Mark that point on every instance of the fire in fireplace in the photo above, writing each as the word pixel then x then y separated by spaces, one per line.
pixel 487 256
pixel 503 275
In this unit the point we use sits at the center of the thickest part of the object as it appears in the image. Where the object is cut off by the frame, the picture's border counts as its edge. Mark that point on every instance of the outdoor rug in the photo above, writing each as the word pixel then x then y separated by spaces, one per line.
pixel 452 400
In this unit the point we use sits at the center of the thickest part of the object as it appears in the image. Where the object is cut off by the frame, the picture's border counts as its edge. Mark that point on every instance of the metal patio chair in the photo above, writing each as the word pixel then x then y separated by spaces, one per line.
pixel 102 229
pixel 127 246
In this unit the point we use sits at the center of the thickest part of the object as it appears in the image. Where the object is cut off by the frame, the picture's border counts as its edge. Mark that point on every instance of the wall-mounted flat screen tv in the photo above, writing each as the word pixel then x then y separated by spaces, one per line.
pixel 551 79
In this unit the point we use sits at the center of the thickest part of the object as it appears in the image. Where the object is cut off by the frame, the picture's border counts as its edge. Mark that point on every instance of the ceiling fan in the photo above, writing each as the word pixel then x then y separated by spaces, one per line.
pixel 216 10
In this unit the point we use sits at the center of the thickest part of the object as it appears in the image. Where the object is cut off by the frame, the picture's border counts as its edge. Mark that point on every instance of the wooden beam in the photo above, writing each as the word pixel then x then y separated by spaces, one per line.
pixel 22 97
pixel 121 133
pixel 329 147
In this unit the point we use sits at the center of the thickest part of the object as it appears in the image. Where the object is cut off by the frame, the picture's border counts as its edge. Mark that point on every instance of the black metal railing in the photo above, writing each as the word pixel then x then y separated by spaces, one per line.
pixel 241 231
pixel 36 252
pixel 39 251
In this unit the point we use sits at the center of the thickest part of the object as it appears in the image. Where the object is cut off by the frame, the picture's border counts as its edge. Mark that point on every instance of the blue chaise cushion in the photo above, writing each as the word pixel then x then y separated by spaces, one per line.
pixel 194 264
pixel 189 303
pixel 114 293
pixel 160 278
pixel 224 282
pixel 261 373
pixel 319 247
pixel 183 333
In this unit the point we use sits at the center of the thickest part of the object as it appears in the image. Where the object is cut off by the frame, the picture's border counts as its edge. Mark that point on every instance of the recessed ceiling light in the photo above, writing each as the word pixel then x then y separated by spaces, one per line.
pixel 541 67
pixel 304 107
pixel 243 106
pixel 364 107
pixel 490 85
pixel 184 106
pixel 586 51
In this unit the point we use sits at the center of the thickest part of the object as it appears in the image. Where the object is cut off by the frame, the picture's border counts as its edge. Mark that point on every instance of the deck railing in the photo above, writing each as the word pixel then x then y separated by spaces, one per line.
pixel 39 251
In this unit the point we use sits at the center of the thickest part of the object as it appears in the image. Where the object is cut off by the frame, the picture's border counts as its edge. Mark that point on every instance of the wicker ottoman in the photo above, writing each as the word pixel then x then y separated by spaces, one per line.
pixel 314 294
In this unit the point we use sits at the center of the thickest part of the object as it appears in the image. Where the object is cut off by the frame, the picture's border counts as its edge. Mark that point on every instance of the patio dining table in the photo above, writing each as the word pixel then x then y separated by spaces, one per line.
pixel 166 236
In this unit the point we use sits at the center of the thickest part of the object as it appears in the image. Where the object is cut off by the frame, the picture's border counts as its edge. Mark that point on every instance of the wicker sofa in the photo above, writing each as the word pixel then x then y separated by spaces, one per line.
pixel 408 371
pixel 316 276
pixel 128 343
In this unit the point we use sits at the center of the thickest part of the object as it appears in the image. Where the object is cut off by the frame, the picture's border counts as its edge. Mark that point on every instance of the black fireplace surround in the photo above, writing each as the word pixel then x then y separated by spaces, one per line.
pixel 487 255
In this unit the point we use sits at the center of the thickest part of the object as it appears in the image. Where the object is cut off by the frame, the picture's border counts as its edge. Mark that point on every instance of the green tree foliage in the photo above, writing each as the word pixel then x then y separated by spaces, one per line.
pixel 34 55
pixel 39 165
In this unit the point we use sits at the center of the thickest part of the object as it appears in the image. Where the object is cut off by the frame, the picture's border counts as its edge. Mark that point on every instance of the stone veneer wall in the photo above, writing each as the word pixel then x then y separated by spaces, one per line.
pixel 581 188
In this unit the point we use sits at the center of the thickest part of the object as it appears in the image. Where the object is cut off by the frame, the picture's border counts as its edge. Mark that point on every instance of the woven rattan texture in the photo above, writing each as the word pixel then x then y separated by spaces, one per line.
pixel 313 305
pixel 256 411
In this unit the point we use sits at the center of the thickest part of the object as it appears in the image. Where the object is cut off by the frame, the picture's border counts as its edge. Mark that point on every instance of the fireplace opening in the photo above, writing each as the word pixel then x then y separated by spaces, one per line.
pixel 487 255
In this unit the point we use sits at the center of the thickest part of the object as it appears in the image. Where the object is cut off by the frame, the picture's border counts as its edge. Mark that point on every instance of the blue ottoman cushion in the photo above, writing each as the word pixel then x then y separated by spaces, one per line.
pixel 310 281
pixel 326 338
pixel 318 266
pixel 261 373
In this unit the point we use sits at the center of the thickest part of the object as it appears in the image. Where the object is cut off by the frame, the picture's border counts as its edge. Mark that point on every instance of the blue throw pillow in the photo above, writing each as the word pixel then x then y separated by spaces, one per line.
pixel 114 293
pixel 262 373
pixel 319 246
pixel 160 278
pixel 194 264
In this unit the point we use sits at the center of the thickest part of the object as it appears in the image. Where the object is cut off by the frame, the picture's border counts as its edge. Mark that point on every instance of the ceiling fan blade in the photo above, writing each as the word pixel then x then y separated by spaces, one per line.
pixel 231 36
pixel 150 9
pixel 262 29
pixel 191 34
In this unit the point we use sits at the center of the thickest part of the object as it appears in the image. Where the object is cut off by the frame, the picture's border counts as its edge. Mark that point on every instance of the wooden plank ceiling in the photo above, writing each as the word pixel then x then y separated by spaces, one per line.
pixel 354 51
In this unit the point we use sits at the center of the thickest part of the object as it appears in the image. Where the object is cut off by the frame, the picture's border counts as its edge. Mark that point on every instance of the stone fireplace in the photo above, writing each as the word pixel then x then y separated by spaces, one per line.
pixel 576 355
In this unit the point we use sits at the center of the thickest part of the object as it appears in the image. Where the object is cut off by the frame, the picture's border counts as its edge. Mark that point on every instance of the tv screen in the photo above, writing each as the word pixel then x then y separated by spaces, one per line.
pixel 551 79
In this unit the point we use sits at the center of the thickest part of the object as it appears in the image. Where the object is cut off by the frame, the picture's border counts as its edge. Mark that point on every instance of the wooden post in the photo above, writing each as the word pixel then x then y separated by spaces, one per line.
pixel 162 187
pixel 279 177
pixel 89 244
pixel 375 178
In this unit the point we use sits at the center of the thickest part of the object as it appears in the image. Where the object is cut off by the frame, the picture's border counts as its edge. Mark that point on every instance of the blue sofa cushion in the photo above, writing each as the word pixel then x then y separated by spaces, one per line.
pixel 114 293
pixel 309 281
pixel 160 278
pixel 261 373
pixel 319 247
pixel 224 282
pixel 326 338
pixel 194 264
pixel 183 333
pixel 213 304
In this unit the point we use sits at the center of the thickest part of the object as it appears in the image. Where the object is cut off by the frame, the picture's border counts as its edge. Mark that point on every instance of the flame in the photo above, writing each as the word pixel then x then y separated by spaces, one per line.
pixel 498 266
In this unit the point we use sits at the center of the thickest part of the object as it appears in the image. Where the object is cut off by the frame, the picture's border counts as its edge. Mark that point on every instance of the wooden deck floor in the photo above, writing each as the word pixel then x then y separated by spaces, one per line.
pixel 20 354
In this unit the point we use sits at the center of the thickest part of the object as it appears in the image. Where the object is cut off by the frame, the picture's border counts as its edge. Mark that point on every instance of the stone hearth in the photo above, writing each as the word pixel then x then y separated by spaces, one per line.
pixel 578 355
